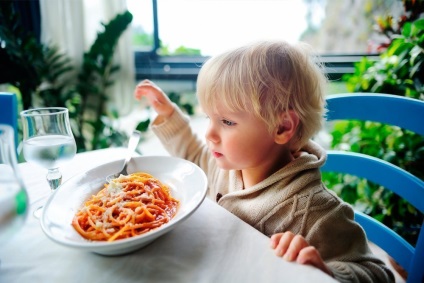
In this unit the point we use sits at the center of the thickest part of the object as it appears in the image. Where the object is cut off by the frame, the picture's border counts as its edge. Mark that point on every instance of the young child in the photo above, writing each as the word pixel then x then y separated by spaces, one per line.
pixel 265 101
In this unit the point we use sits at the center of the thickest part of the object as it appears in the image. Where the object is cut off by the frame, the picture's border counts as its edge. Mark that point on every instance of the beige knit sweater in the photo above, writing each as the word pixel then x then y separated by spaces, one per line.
pixel 292 199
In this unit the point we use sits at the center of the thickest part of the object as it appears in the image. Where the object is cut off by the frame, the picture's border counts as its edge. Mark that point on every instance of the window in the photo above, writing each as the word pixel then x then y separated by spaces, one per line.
pixel 188 31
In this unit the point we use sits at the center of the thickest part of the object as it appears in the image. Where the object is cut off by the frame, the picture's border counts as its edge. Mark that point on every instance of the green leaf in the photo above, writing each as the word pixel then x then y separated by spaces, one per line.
pixel 143 126
pixel 419 24
pixel 407 29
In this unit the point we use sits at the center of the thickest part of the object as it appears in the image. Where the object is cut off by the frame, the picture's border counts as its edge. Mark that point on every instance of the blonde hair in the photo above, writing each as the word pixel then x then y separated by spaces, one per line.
pixel 267 78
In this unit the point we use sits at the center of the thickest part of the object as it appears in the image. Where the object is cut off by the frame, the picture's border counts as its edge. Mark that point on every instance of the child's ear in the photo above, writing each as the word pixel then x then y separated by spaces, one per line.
pixel 287 127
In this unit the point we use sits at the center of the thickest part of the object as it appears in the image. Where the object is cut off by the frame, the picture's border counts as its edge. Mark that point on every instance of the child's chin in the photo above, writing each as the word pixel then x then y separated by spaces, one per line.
pixel 223 165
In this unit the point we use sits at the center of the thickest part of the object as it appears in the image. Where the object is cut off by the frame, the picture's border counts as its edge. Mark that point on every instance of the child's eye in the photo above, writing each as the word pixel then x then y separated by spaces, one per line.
pixel 228 123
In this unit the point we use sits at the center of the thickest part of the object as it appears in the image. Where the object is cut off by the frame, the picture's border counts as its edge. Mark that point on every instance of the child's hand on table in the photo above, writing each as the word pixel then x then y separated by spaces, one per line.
pixel 295 248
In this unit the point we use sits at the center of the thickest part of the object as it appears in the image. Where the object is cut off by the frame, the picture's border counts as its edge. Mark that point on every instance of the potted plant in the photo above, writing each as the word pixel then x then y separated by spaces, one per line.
pixel 43 76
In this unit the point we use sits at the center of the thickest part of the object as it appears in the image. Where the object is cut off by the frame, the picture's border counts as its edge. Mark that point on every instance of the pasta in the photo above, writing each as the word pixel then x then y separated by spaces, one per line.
pixel 127 206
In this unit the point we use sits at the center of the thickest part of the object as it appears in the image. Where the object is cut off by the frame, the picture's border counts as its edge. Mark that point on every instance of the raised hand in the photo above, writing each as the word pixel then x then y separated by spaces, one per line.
pixel 156 97
pixel 295 248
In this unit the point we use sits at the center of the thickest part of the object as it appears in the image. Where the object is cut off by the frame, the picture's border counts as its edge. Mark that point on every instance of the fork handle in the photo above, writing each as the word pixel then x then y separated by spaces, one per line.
pixel 132 144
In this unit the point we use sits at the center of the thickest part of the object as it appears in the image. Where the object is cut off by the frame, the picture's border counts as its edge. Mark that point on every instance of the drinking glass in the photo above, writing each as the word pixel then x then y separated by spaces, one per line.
pixel 13 195
pixel 48 142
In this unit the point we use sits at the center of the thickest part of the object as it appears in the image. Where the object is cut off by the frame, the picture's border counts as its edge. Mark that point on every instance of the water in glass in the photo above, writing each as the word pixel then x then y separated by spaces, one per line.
pixel 48 141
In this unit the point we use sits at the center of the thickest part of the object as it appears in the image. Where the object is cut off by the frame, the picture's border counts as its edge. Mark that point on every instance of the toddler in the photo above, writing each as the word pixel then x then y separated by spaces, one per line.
pixel 265 101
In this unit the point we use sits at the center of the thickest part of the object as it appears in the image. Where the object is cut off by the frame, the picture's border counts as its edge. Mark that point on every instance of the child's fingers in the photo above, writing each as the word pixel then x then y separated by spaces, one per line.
pixel 137 94
pixel 275 239
pixel 150 86
pixel 310 255
pixel 146 90
pixel 284 243
pixel 296 245
pixel 151 91
pixel 156 97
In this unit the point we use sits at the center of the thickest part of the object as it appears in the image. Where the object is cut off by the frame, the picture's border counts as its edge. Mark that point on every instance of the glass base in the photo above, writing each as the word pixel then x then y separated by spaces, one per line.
pixel 37 212
pixel 37 207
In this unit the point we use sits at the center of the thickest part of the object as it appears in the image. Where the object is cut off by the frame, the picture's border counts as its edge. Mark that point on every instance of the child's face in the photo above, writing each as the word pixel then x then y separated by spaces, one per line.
pixel 239 140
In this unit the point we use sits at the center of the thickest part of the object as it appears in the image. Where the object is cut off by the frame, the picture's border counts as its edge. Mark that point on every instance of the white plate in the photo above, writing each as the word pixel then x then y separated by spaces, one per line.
pixel 186 180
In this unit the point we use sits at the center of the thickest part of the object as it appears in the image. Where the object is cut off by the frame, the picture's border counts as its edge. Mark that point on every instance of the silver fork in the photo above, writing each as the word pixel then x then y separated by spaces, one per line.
pixel 132 145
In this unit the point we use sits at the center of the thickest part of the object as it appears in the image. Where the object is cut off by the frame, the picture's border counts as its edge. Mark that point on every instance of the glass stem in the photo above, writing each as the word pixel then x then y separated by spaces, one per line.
pixel 54 177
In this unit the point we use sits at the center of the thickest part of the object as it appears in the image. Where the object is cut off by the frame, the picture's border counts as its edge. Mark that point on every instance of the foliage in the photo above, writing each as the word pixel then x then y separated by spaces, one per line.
pixel 45 77
pixel 20 52
pixel 141 39
pixel 35 69
pixel 400 68
pixel 165 50
pixel 94 78
pixel 399 72
pixel 145 41
pixel 185 105
pixel 54 89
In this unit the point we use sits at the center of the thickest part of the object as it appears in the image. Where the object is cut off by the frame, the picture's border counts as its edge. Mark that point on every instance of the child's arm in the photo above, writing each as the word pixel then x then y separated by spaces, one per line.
pixel 295 248
pixel 173 128
pixel 157 99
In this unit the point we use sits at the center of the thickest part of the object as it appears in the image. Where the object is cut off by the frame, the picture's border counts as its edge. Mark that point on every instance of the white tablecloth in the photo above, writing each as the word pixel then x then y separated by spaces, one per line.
pixel 212 245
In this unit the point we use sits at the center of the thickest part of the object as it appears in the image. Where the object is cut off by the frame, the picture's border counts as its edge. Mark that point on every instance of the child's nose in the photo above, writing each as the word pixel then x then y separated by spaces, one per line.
pixel 211 134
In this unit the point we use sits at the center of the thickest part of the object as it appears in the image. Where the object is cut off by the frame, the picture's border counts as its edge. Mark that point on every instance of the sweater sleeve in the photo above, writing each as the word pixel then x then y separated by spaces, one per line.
pixel 343 246
pixel 179 140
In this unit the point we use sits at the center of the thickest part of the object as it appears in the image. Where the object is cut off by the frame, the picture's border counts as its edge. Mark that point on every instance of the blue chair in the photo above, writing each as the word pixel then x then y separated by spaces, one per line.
pixel 406 113
pixel 9 111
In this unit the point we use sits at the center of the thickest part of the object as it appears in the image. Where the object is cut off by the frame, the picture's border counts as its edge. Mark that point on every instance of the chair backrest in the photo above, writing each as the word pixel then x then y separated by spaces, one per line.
pixel 9 111
pixel 407 113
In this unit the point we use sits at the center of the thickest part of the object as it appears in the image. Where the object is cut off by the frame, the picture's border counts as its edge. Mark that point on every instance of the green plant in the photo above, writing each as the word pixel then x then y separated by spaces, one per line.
pixel 55 90
pixel 399 72
pixel 94 121
pixel 21 53
pixel 44 77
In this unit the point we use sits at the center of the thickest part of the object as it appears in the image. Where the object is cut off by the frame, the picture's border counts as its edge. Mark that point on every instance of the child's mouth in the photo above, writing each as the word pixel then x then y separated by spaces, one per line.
pixel 216 154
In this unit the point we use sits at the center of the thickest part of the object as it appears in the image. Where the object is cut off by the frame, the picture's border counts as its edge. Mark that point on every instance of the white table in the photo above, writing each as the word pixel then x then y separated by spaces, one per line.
pixel 212 245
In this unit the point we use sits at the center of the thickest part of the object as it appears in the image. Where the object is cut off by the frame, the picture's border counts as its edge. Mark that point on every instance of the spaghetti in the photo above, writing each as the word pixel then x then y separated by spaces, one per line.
pixel 128 206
